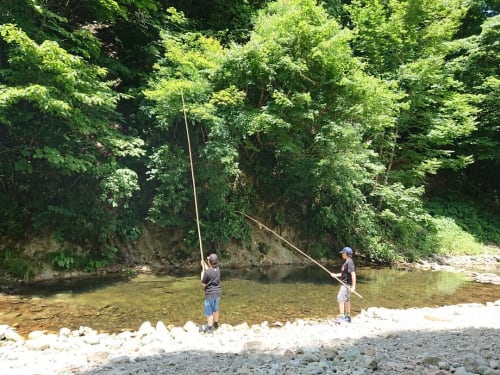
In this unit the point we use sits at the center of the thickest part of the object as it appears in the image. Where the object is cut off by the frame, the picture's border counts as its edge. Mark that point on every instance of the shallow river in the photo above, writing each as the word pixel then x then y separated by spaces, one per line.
pixel 252 295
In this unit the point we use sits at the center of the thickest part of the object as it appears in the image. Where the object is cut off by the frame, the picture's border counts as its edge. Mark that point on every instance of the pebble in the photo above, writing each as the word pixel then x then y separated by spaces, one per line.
pixel 460 339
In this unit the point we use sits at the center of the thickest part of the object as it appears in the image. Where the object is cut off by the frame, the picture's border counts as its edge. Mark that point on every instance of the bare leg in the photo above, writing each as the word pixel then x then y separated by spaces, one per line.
pixel 341 308
pixel 347 308
pixel 210 320
pixel 216 317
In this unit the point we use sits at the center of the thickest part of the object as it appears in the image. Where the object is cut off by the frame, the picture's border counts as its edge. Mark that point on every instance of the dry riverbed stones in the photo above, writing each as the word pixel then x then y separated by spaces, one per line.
pixel 459 339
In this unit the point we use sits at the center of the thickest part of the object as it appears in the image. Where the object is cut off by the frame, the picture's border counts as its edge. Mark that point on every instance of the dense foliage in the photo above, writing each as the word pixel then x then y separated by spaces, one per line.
pixel 353 122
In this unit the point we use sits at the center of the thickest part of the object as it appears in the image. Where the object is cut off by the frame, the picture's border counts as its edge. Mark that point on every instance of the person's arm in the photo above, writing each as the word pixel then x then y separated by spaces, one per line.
pixel 204 267
pixel 353 278
pixel 334 275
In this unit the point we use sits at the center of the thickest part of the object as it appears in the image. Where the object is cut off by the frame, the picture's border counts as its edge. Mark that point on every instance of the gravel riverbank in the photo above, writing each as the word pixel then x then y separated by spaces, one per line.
pixel 459 339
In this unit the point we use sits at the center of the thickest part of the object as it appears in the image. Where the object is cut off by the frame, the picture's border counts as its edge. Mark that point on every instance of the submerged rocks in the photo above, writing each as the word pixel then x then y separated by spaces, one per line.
pixel 483 268
pixel 460 339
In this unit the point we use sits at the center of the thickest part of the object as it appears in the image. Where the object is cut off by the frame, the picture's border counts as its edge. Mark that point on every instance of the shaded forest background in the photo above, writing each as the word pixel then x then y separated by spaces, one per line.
pixel 372 123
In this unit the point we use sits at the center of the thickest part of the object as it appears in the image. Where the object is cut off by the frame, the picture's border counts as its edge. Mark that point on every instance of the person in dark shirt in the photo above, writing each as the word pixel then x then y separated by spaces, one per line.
pixel 210 280
pixel 348 277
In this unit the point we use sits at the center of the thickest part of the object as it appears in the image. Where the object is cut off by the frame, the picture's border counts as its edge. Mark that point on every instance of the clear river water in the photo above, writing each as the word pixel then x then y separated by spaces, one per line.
pixel 254 295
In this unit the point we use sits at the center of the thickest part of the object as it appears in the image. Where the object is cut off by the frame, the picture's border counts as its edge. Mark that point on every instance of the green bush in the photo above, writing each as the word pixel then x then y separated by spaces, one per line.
pixel 67 260
pixel 451 239
pixel 17 265
pixel 479 221
pixel 63 261
pixel 263 248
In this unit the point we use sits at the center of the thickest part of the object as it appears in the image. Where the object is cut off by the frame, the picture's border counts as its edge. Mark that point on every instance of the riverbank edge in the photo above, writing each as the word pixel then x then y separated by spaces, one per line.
pixel 108 353
pixel 483 268
pixel 8 333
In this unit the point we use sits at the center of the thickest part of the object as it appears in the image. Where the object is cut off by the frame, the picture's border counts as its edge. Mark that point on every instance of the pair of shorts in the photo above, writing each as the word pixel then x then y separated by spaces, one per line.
pixel 211 305
pixel 344 294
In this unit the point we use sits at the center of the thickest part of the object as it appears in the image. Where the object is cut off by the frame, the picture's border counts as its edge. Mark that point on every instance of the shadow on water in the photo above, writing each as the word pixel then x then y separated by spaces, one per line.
pixel 251 295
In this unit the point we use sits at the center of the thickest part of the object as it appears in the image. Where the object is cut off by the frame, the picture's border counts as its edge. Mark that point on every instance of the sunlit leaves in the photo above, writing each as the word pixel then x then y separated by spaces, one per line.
pixel 331 127
pixel 169 168
pixel 406 42
pixel 60 130
pixel 123 146
pixel 478 65
pixel 228 97
pixel 34 93
pixel 184 72
pixel 67 163
pixel 392 33
pixel 118 187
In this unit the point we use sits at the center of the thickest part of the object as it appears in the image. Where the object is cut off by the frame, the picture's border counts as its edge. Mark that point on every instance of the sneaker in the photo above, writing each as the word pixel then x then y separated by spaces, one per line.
pixel 206 329
pixel 343 319
pixel 216 325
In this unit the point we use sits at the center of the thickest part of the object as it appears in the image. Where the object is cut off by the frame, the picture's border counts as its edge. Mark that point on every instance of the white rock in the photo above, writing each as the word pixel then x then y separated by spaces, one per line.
pixel 190 327
pixel 11 335
pixel 161 329
pixel 66 332
pixel 145 329
pixel 382 340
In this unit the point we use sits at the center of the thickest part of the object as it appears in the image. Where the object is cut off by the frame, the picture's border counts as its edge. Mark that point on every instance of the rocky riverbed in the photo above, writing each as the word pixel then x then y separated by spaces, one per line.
pixel 459 339
pixel 484 268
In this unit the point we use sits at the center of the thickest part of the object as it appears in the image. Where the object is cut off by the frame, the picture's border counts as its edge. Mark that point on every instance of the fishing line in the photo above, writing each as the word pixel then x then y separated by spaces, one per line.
pixel 193 179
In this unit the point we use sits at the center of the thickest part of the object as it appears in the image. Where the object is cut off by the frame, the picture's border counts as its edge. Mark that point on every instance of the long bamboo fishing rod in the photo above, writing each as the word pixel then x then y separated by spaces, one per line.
pixel 296 248
pixel 193 179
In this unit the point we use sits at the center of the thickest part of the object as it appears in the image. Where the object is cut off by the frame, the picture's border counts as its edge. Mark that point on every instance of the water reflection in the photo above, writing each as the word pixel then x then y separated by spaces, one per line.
pixel 249 295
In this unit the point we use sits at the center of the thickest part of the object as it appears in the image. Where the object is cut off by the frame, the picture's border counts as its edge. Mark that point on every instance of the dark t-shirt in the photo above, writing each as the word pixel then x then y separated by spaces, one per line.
pixel 346 270
pixel 211 279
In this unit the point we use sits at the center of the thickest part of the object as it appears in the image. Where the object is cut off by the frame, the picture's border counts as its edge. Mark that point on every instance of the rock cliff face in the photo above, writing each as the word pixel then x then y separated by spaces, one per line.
pixel 160 248
pixel 163 249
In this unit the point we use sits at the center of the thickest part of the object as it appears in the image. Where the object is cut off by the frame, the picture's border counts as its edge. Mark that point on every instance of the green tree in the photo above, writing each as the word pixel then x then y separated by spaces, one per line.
pixel 478 11
pixel 287 117
pixel 182 86
pixel 62 148
pixel 476 62
pixel 408 43
pixel 311 114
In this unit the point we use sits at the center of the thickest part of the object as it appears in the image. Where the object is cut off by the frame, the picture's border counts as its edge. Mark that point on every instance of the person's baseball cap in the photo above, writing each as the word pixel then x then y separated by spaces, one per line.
pixel 212 258
pixel 347 250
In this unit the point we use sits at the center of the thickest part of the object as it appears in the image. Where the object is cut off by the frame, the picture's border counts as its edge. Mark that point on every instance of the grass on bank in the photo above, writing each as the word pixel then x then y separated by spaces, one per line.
pixel 452 240
pixel 464 226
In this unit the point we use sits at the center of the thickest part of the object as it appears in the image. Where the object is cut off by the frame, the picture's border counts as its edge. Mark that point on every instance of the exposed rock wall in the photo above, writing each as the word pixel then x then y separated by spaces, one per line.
pixel 160 248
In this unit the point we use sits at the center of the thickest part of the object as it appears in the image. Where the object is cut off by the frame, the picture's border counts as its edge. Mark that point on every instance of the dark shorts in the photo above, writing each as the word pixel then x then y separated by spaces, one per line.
pixel 211 305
